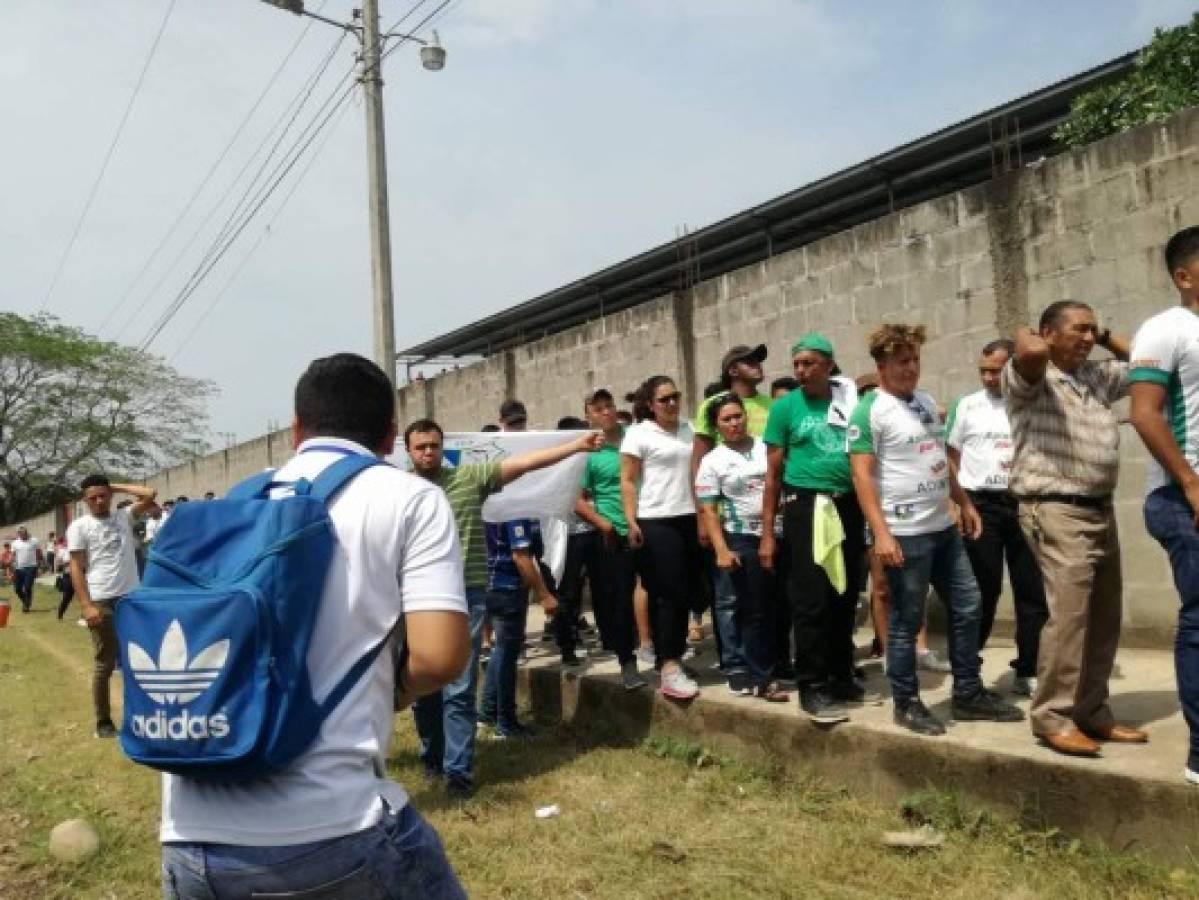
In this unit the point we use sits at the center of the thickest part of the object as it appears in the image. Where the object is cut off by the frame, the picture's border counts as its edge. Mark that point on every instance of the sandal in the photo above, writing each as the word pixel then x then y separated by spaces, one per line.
pixel 771 693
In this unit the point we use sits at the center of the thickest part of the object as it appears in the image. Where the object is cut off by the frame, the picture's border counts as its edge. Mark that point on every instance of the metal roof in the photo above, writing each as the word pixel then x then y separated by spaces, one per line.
pixel 961 155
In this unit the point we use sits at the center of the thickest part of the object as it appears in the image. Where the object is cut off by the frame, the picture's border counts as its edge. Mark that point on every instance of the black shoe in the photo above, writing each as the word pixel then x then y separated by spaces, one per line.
pixel 784 672
pixel 916 717
pixel 820 706
pixel 517 732
pixel 859 672
pixel 571 661
pixel 105 729
pixel 459 789
pixel 854 692
pixel 583 625
pixel 985 706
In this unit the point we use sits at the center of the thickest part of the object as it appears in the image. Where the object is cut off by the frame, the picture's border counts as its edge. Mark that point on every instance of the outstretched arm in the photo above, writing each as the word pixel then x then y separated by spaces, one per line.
pixel 515 466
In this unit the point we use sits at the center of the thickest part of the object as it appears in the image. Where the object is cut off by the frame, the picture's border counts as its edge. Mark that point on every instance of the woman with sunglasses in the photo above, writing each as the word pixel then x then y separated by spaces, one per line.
pixel 655 487
pixel 730 485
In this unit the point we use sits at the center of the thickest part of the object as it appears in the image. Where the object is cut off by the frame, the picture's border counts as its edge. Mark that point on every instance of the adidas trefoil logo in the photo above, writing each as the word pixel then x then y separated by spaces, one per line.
pixel 173 679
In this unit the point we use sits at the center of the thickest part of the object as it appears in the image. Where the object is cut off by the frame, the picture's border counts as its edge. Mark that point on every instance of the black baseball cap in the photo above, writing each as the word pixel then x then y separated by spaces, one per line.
pixel 596 394
pixel 742 351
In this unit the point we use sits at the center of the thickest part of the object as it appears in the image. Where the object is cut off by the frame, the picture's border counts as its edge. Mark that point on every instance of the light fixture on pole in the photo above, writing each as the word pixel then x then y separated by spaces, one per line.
pixel 432 56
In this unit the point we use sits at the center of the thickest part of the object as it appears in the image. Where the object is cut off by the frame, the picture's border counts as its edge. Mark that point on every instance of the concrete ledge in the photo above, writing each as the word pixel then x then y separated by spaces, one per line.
pixel 1131 799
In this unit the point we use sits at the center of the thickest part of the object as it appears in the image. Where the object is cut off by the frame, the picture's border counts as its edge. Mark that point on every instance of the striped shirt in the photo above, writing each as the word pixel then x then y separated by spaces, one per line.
pixel 466 487
pixel 1067 439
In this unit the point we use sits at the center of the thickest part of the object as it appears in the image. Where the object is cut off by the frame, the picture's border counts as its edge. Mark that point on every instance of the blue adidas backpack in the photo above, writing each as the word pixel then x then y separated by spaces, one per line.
pixel 214 642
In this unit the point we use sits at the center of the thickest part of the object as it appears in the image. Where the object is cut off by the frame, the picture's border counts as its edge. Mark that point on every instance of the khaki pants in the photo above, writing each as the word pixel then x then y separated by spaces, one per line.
pixel 104 643
pixel 1078 550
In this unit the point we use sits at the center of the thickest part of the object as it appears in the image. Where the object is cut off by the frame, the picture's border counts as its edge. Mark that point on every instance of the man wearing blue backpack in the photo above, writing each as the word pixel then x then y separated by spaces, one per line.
pixel 328 823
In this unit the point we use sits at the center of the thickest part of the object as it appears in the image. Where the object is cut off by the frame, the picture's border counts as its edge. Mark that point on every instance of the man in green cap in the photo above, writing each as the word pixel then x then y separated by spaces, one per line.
pixel 808 475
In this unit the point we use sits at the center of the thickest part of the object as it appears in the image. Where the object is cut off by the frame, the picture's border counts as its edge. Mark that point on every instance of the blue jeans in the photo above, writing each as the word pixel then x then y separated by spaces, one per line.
pixel 939 559
pixel 507 610
pixel 22 585
pixel 446 719
pixel 755 591
pixel 401 856
pixel 1169 519
pixel 724 616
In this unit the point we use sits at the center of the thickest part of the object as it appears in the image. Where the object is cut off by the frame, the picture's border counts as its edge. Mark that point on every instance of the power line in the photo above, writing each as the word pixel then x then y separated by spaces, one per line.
pixel 213 257
pixel 237 133
pixel 299 97
pixel 116 138
pixel 263 235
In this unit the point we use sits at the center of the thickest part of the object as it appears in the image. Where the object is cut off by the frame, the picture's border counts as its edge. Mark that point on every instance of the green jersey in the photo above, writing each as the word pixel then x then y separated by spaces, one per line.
pixel 601 480
pixel 812 434
pixel 466 487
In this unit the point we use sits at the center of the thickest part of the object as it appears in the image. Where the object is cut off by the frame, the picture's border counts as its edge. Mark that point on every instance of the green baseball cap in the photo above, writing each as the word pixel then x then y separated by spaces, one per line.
pixel 813 340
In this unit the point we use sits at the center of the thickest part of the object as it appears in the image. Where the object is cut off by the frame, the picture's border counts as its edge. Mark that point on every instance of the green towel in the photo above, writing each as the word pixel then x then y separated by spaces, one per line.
pixel 828 533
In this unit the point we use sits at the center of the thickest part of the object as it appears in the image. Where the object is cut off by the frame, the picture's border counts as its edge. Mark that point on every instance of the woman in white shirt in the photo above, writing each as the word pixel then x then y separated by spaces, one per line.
pixel 655 487
pixel 730 485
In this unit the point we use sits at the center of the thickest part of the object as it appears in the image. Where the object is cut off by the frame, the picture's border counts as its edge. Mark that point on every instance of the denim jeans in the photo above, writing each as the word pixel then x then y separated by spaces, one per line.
pixel 22 585
pixel 1169 519
pixel 724 618
pixel 401 856
pixel 507 610
pixel 445 720
pixel 939 559
pixel 756 592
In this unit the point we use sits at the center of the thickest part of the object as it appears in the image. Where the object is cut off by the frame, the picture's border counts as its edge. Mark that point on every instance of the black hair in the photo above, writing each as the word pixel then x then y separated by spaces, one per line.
pixel 1054 312
pixel 346 396
pixel 623 415
pixel 714 388
pixel 786 383
pixel 642 398
pixel 422 426
pixel 1007 346
pixel 94 480
pixel 489 427
pixel 1182 248
pixel 719 402
pixel 571 423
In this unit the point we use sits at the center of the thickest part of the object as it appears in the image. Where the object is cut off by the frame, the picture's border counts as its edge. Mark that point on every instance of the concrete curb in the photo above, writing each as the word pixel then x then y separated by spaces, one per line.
pixel 1124 813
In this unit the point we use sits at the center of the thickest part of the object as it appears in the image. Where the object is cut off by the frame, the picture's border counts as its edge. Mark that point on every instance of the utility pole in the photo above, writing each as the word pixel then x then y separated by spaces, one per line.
pixel 382 307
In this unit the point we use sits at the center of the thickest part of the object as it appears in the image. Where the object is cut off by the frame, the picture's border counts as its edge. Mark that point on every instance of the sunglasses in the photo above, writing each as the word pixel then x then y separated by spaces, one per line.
pixel 669 398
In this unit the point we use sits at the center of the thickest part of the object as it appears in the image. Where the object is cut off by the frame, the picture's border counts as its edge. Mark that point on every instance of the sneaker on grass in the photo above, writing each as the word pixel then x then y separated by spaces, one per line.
pixel 517 732
pixel 678 685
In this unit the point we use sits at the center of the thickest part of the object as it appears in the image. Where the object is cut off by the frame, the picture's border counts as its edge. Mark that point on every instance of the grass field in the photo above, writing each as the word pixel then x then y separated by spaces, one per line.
pixel 661 819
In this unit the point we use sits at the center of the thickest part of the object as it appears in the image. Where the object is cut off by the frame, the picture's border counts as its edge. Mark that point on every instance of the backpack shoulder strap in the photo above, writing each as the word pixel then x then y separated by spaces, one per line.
pixel 336 476
pixel 255 486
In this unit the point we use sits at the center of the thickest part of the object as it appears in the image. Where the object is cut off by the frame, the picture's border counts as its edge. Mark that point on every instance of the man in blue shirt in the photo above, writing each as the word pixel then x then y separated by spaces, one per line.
pixel 514 569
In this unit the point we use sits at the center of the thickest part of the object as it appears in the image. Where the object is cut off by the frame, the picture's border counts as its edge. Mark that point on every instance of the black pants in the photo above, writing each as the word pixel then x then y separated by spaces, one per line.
pixel 613 574
pixel 563 622
pixel 673 570
pixel 570 589
pixel 823 618
pixel 67 587
pixel 1002 538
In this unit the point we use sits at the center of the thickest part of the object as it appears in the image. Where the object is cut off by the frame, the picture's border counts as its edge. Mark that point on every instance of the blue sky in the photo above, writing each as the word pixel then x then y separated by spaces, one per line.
pixel 562 136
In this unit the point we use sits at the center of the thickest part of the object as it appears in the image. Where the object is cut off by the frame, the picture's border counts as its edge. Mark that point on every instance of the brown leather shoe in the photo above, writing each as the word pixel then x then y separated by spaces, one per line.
pixel 1119 734
pixel 1072 742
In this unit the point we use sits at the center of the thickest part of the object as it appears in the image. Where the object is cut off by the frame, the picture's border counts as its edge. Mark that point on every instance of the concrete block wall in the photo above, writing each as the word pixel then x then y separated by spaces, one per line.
pixel 1089 224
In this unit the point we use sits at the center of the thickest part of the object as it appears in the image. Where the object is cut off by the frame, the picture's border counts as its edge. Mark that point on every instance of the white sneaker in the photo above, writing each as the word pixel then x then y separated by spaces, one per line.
pixel 645 654
pixel 930 662
pixel 1024 687
pixel 1191 776
pixel 678 685
pixel 690 653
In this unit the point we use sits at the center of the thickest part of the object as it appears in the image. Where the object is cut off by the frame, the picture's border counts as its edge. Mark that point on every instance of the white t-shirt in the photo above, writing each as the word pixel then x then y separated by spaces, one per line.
pixel 1165 351
pixel 111 553
pixel 665 469
pixel 24 553
pixel 153 526
pixel 911 470
pixel 397 550
pixel 738 481
pixel 978 428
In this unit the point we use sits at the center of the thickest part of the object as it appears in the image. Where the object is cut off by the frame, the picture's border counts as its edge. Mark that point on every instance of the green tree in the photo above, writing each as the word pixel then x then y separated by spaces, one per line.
pixel 71 404
pixel 1166 80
